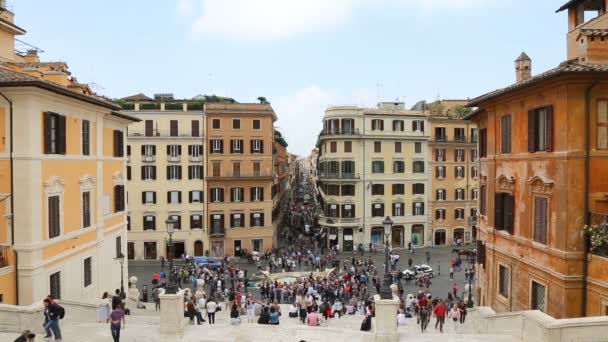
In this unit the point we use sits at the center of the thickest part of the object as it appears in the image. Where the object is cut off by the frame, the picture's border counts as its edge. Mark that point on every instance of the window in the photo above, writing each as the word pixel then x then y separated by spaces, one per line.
pixel 148 197
pixel 538 297
pixel 377 189
pixel 540 129
pixel 54 215
pixel 87 272
pixel 148 172
pixel 195 172
pixel 54 133
pixel 150 250
pixel 418 189
pixel 474 194
pixel 440 154
pixel 474 155
pixel 257 146
pixel 148 152
pixel 256 168
pixel 377 125
pixel 332 210
pixel 86 137
pixel 460 194
pixel 174 172
pixel 216 169
pixel 128 172
pixel 128 223
pixel 174 152
pixel 459 155
pixel 237 194
pixel 505 134
pixel 459 134
pixel 236 123
pixel 257 219
pixel 216 124
pixel 398 189
pixel 118 246
pixel 398 209
pixel 474 135
pixel 257 124
pixel 474 172
pixel 236 169
pixel 440 214
pixel 377 166
pixel 195 196
pixel 504 204
pixel 333 147
pixel 216 195
pixel 348 190
pixel 178 221
pixel 377 209
pixel 418 126
pixel 459 171
pixel 348 210
pixel 440 194
pixel 418 166
pixel 503 281
pixel 540 219
pixel 602 125
pixel 440 172
pixel 130 250
pixel 196 222
pixel 398 125
pixel 348 146
pixel 332 189
pixel 149 222
pixel 236 221
pixel 174 197
pixel 483 143
pixel 377 147
pixel 418 208
pixel 118 144
pixel 440 134
pixel 397 146
pixel 257 194
pixel 216 146
pixel 173 128
pixel 86 209
pixel 473 212
pixel 119 198
pixel 417 147
pixel 149 129
pixel 398 166
pixel 459 213
pixel 482 200
pixel 195 128
pixel 55 285
pixel 195 151
pixel 236 146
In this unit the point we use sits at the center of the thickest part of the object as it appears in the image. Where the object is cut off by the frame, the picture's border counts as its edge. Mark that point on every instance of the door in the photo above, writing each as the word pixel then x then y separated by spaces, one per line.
pixel 131 250
pixel 198 248
pixel 376 237
pixel 397 237
pixel 440 237
pixel 150 250
pixel 237 248
pixel 348 240
pixel 217 248
pixel 179 249
pixel 458 236
pixel 257 245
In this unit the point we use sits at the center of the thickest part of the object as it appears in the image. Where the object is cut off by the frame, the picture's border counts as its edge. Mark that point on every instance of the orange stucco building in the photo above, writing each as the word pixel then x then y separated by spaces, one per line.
pixel 543 146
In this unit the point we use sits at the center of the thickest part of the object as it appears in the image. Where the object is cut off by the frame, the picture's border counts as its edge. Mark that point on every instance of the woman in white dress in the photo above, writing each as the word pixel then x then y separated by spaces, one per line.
pixel 250 310
pixel 103 313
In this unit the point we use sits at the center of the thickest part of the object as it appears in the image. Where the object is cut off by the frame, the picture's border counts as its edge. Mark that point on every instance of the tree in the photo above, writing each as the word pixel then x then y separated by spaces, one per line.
pixel 462 111
pixel 263 100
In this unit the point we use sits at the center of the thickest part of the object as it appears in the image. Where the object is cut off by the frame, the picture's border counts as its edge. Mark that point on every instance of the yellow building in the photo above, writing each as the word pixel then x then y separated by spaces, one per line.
pixel 165 176
pixel 373 163
pixel 62 181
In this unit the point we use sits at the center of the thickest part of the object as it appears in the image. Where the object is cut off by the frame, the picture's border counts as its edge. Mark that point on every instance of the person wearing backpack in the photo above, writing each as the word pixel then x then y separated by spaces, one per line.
pixel 424 317
pixel 116 300
pixel 52 314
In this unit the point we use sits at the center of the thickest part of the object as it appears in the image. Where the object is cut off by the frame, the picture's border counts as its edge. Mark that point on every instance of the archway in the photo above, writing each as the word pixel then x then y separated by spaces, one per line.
pixel 458 236
pixel 198 248
pixel 440 237
pixel 397 237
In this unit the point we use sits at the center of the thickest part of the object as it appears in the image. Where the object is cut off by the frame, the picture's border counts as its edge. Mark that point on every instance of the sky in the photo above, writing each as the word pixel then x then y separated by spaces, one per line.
pixel 302 55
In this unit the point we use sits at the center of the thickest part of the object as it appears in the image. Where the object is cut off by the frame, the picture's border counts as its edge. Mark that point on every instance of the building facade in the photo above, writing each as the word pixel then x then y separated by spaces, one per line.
pixel 62 181
pixel 372 163
pixel 453 159
pixel 165 176
pixel 543 148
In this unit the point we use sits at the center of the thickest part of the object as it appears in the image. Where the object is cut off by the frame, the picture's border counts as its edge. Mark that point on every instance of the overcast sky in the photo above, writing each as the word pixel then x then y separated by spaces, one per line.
pixel 302 55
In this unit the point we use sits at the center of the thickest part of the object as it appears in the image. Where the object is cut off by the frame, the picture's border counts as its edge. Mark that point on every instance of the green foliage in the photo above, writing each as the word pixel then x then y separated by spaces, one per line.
pixel 461 111
pixel 173 106
pixel 149 106
pixel 263 100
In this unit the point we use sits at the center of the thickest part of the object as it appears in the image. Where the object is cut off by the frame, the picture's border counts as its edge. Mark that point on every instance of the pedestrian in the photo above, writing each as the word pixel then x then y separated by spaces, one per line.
pixel 156 298
pixel 451 272
pixel 52 314
pixel 26 336
pixel 440 311
pixel 103 312
pixel 455 315
pixel 463 311
pixel 455 290
pixel 428 256
pixel 211 308
pixel 410 262
pixel 116 300
pixel 116 318
pixel 466 274
pixel 424 316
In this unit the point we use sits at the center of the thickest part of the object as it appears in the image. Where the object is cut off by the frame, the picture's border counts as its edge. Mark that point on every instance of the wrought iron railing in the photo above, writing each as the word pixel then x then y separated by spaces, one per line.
pixel 340 131
pixel 3 256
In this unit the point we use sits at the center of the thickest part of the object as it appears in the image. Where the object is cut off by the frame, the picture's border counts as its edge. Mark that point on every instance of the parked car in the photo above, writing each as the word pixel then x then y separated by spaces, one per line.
pixel 416 269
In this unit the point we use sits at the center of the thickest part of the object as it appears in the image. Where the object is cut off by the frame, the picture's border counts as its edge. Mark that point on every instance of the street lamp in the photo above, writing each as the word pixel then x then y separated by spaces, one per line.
pixel 471 275
pixel 121 259
pixel 171 286
pixel 385 292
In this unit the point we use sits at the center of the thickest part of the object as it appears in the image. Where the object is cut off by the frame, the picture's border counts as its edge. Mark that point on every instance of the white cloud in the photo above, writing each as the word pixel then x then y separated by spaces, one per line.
pixel 186 7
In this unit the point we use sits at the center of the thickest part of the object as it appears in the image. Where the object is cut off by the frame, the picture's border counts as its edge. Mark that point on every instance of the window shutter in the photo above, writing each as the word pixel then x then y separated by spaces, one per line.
pixel 498 211
pixel 422 125
pixel 179 150
pixel 531 132
pixel 456 213
pixel 195 129
pixel 222 198
pixel 413 208
pixel 261 146
pixel 143 197
pixel 154 172
pixel 143 150
pixel 549 128
pixel 190 172
pixel 538 220
pixel 179 197
pixel 62 134
pixel 413 125
pixel 211 146
pixel 251 194
pixel 168 174
pixel 262 219
pixel 251 143
pixel 437 214
pixel 231 220
pixel 168 196
pixel 509 202
pixel 221 146
pixel 373 125
pixel 232 190
pixel 189 196
pixel 189 150
pixel 143 172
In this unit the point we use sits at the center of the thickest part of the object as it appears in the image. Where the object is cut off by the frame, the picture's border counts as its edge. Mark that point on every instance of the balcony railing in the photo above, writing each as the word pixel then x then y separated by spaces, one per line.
pixel 601 222
pixel 340 131
pixel 472 220
pixel 241 175
pixel 3 256
pixel 217 231
pixel 195 159
pixel 148 159
pixel 174 159
pixel 441 137
pixel 338 220
pixel 331 175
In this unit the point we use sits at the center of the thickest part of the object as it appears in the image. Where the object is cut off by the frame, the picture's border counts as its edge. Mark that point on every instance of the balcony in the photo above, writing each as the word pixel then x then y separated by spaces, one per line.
pixel 345 221
pixel 331 175
pixel 3 256
pixel 174 159
pixel 241 175
pixel 460 138
pixel 217 231
pixel 472 220
pixel 148 159
pixel 195 159
pixel 340 131
pixel 441 137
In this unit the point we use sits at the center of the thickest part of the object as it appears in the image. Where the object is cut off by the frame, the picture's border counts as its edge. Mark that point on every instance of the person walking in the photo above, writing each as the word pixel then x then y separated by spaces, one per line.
pixel 440 311
pixel 116 318
pixel 103 312
pixel 455 315
pixel 455 290
pixel 424 317
pixel 410 262
pixel 463 311
pixel 451 272
pixel 52 314
pixel 211 308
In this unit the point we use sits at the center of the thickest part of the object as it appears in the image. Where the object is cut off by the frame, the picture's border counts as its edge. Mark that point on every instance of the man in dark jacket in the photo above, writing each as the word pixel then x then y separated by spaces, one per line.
pixel 52 314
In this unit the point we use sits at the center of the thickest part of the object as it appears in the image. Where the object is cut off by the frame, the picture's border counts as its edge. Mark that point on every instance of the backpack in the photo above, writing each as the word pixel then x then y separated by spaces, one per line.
pixel 61 311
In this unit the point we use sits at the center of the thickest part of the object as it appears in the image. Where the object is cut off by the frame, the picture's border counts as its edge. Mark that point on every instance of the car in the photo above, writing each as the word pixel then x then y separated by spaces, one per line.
pixel 417 269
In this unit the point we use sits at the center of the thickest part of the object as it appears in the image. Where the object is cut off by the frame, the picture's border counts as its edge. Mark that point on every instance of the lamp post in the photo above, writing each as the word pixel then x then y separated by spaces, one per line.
pixel 171 286
pixel 385 292
pixel 471 275
pixel 121 259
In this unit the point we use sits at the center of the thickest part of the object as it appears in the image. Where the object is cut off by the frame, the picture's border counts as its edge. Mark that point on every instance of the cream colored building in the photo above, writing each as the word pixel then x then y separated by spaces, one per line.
pixel 165 169
pixel 373 164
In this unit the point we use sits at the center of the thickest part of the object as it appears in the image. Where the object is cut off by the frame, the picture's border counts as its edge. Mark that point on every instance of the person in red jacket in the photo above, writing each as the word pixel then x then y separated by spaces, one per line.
pixel 440 311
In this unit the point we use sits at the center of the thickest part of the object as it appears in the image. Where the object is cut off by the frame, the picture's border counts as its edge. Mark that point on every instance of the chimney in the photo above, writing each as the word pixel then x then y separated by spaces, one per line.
pixel 31 56
pixel 2 4
pixel 523 68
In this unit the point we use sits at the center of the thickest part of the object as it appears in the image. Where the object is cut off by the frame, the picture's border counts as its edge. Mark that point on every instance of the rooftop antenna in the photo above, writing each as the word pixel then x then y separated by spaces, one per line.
pixel 96 87
pixel 379 92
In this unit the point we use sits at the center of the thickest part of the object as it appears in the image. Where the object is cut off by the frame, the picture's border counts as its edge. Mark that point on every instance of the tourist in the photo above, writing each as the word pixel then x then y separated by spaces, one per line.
pixel 274 316
pixel 52 314
pixel 116 300
pixel 463 311
pixel 234 315
pixel 103 312
pixel 338 308
pixel 193 312
pixel 26 336
pixel 211 308
pixel 366 325
pixel 455 315
pixel 250 307
pixel 303 308
pixel 424 315
pixel 156 298
pixel 293 311
pixel 312 318
pixel 455 290
pixel 440 311
pixel 264 316
pixel 401 318
pixel 116 317
pixel 202 306
pixel 451 272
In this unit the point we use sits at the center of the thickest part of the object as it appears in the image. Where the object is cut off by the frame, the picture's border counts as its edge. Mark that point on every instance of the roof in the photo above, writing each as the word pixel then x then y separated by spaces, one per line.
pixel 11 78
pixel 126 116
pixel 567 67
pixel 594 32
pixel 568 5
pixel 523 57
pixel 137 97
pixel 16 29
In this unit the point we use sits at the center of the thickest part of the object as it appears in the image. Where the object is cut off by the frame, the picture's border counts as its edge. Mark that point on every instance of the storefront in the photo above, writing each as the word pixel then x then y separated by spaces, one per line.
pixel 348 239
pixel 217 248
pixel 397 237
pixel 458 236
pixel 376 237
pixel 179 248
pixel 440 237
pixel 418 235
